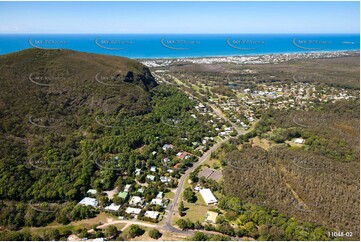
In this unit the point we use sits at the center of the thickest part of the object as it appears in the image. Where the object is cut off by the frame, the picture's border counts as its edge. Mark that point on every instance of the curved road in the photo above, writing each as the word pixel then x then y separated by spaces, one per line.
pixel 168 222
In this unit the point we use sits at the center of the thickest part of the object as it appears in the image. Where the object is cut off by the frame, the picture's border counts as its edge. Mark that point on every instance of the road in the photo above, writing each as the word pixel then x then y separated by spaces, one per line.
pixel 168 222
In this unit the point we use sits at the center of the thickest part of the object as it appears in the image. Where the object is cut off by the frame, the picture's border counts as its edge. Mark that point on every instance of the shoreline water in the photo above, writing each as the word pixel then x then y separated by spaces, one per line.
pixel 248 55
pixel 190 46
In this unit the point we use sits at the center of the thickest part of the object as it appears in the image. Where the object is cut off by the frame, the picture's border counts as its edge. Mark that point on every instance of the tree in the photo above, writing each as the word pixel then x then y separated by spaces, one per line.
pixel 182 224
pixel 83 233
pixel 134 231
pixel 117 200
pixel 154 234
pixel 181 208
pixel 111 231
pixel 189 195
pixel 198 236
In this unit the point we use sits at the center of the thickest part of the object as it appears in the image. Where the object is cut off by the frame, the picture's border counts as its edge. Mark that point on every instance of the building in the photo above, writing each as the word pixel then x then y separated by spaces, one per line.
pixel 211 217
pixel 153 168
pixel 160 195
pixel 164 179
pixel 150 177
pixel 157 201
pixel 127 187
pixel 167 147
pixel 112 207
pixel 136 201
pixel 183 155
pixel 123 195
pixel 138 171
pixel 92 191
pixel 88 201
pixel 299 141
pixel 130 210
pixel 166 160
pixel 208 196
pixel 152 214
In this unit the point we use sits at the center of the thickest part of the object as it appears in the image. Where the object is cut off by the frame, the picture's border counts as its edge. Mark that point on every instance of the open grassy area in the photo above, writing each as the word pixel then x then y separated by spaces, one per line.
pixel 86 223
pixel 263 143
pixel 169 195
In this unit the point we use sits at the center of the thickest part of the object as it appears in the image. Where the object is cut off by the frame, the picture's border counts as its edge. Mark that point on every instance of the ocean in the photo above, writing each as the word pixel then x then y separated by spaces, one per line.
pixel 182 45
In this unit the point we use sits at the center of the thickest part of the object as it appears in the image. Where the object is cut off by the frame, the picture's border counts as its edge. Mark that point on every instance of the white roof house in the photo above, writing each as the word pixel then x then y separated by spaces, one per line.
pixel 92 191
pixel 157 201
pixel 130 210
pixel 127 187
pixel 89 201
pixel 167 147
pixel 138 171
pixel 153 168
pixel 112 207
pixel 208 196
pixel 164 179
pixel 299 141
pixel 135 201
pixel 160 195
pixel 151 177
pixel 151 214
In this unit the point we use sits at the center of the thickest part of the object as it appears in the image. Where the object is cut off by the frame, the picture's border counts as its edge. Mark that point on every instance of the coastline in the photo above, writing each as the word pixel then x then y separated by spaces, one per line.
pixel 250 55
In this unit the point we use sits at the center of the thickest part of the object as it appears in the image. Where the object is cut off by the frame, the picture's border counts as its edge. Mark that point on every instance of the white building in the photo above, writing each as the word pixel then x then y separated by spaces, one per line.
pixel 151 214
pixel 89 201
pixel 164 179
pixel 208 196
pixel 112 207
pixel 92 191
pixel 130 210
pixel 136 201
pixel 151 177
pixel 299 141
pixel 127 187
pixel 157 201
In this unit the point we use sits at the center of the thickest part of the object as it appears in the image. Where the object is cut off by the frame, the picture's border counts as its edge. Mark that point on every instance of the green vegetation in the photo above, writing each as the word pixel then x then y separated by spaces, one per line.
pixel 154 234
pixel 78 134
pixel 297 181
pixel 133 231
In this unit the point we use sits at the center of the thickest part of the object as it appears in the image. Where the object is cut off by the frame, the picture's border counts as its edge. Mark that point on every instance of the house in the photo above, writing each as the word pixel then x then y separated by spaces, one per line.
pixel 152 214
pixel 183 155
pixel 112 207
pixel 167 147
pixel 92 191
pixel 136 201
pixel 166 160
pixel 164 179
pixel 127 187
pixel 211 217
pixel 197 188
pixel 150 177
pixel 89 201
pixel 160 195
pixel 123 195
pixel 170 170
pixel 130 210
pixel 140 190
pixel 157 201
pixel 208 196
pixel 299 141
pixel 154 153
pixel 138 171
pixel 153 168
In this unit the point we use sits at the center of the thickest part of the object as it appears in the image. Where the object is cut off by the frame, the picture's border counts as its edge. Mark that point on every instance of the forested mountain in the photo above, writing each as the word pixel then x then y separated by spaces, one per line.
pixel 72 121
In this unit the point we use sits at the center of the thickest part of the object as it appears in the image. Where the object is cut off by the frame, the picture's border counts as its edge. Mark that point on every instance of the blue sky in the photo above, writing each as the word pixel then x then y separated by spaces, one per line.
pixel 179 17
